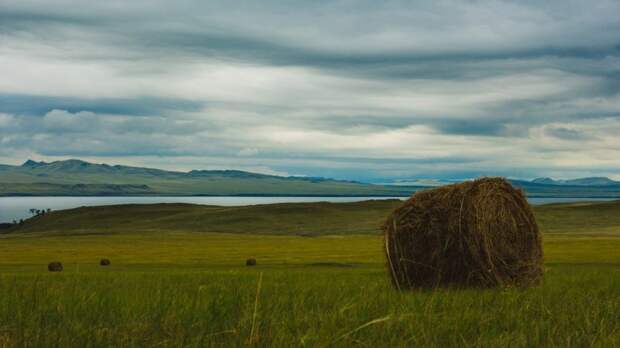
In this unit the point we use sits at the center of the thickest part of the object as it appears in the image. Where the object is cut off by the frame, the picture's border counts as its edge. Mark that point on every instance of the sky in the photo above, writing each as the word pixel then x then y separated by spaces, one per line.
pixel 363 90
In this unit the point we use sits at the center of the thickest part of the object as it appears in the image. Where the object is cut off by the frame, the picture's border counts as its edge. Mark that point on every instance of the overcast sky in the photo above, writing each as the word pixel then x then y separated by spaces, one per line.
pixel 371 91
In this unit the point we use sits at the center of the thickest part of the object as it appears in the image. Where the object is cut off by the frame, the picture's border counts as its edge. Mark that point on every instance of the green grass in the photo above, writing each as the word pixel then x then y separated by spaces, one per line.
pixel 32 252
pixel 584 217
pixel 576 306
pixel 187 288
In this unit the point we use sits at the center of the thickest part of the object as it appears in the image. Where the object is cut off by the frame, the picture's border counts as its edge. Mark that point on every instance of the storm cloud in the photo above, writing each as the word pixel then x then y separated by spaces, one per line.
pixel 356 90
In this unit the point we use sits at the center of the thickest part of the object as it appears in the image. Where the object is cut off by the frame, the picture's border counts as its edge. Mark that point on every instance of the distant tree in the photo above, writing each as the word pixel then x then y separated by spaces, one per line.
pixel 33 211
pixel 49 210
pixel 21 221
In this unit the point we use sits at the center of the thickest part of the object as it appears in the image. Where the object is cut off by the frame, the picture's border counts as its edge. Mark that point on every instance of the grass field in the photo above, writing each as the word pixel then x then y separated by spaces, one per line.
pixel 183 287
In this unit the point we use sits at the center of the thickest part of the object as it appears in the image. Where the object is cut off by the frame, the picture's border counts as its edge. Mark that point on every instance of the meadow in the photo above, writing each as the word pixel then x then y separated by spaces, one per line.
pixel 179 286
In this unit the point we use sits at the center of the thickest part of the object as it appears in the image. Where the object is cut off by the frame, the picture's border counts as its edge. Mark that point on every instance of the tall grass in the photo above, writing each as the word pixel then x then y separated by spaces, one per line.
pixel 303 306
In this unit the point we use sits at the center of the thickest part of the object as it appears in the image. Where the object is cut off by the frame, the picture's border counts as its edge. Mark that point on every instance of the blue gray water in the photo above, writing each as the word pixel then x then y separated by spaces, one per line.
pixel 15 208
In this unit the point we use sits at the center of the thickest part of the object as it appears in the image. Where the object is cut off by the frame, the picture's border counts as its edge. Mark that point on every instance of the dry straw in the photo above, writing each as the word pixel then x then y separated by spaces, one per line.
pixel 476 233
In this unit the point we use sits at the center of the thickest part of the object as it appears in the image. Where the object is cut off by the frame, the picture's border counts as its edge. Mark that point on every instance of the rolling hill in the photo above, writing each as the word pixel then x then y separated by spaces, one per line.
pixel 306 219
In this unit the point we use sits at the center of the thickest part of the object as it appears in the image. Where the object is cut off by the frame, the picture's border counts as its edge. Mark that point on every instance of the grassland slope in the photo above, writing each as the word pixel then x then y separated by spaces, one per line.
pixel 309 219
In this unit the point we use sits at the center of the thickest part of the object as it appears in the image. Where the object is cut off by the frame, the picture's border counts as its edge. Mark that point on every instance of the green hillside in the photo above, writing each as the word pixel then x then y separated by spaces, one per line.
pixel 309 219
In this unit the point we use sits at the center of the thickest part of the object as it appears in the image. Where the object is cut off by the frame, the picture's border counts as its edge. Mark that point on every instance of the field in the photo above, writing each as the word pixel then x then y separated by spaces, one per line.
pixel 318 283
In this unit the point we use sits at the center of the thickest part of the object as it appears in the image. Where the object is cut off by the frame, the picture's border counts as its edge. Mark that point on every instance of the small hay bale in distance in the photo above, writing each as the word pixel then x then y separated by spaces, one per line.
pixel 54 267
pixel 250 262
pixel 104 262
pixel 479 233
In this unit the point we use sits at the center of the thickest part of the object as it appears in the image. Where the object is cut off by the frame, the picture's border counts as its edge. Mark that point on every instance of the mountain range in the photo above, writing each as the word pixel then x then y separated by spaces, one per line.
pixel 77 177
pixel 593 181
pixel 80 178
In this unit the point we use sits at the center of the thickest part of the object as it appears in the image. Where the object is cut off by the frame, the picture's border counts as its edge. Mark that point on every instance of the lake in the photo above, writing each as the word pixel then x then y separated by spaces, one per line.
pixel 15 208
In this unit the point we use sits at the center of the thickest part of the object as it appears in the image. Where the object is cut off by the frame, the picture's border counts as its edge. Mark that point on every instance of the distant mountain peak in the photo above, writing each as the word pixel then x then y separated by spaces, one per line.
pixel 544 180
pixel 590 181
pixel 73 160
pixel 31 163
pixel 596 180
pixel 229 173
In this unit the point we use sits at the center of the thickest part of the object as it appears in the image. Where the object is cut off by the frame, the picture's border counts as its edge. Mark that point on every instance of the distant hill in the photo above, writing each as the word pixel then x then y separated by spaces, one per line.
pixel 543 188
pixel 592 181
pixel 80 178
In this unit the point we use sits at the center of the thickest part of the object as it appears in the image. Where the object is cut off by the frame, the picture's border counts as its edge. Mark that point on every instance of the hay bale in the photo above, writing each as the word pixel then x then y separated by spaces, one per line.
pixel 250 262
pixel 476 233
pixel 54 267
pixel 104 262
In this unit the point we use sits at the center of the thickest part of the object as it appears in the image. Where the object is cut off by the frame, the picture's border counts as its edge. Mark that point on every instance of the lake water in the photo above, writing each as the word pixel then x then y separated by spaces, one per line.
pixel 15 208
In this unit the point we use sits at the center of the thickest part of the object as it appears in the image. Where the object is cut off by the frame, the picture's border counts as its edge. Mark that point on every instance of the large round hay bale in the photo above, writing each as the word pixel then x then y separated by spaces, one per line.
pixel 104 262
pixel 250 262
pixel 54 267
pixel 476 233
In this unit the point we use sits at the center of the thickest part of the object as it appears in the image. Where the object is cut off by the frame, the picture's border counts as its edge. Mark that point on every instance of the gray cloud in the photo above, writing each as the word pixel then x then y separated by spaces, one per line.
pixel 369 89
pixel 141 106
pixel 387 39
pixel 566 133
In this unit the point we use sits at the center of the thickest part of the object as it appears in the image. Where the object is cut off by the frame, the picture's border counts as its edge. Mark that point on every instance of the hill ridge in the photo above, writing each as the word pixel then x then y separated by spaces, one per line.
pixel 59 178
pixel 586 181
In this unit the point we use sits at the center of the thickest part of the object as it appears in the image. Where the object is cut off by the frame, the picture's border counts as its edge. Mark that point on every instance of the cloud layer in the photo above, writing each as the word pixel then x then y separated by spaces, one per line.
pixel 357 90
